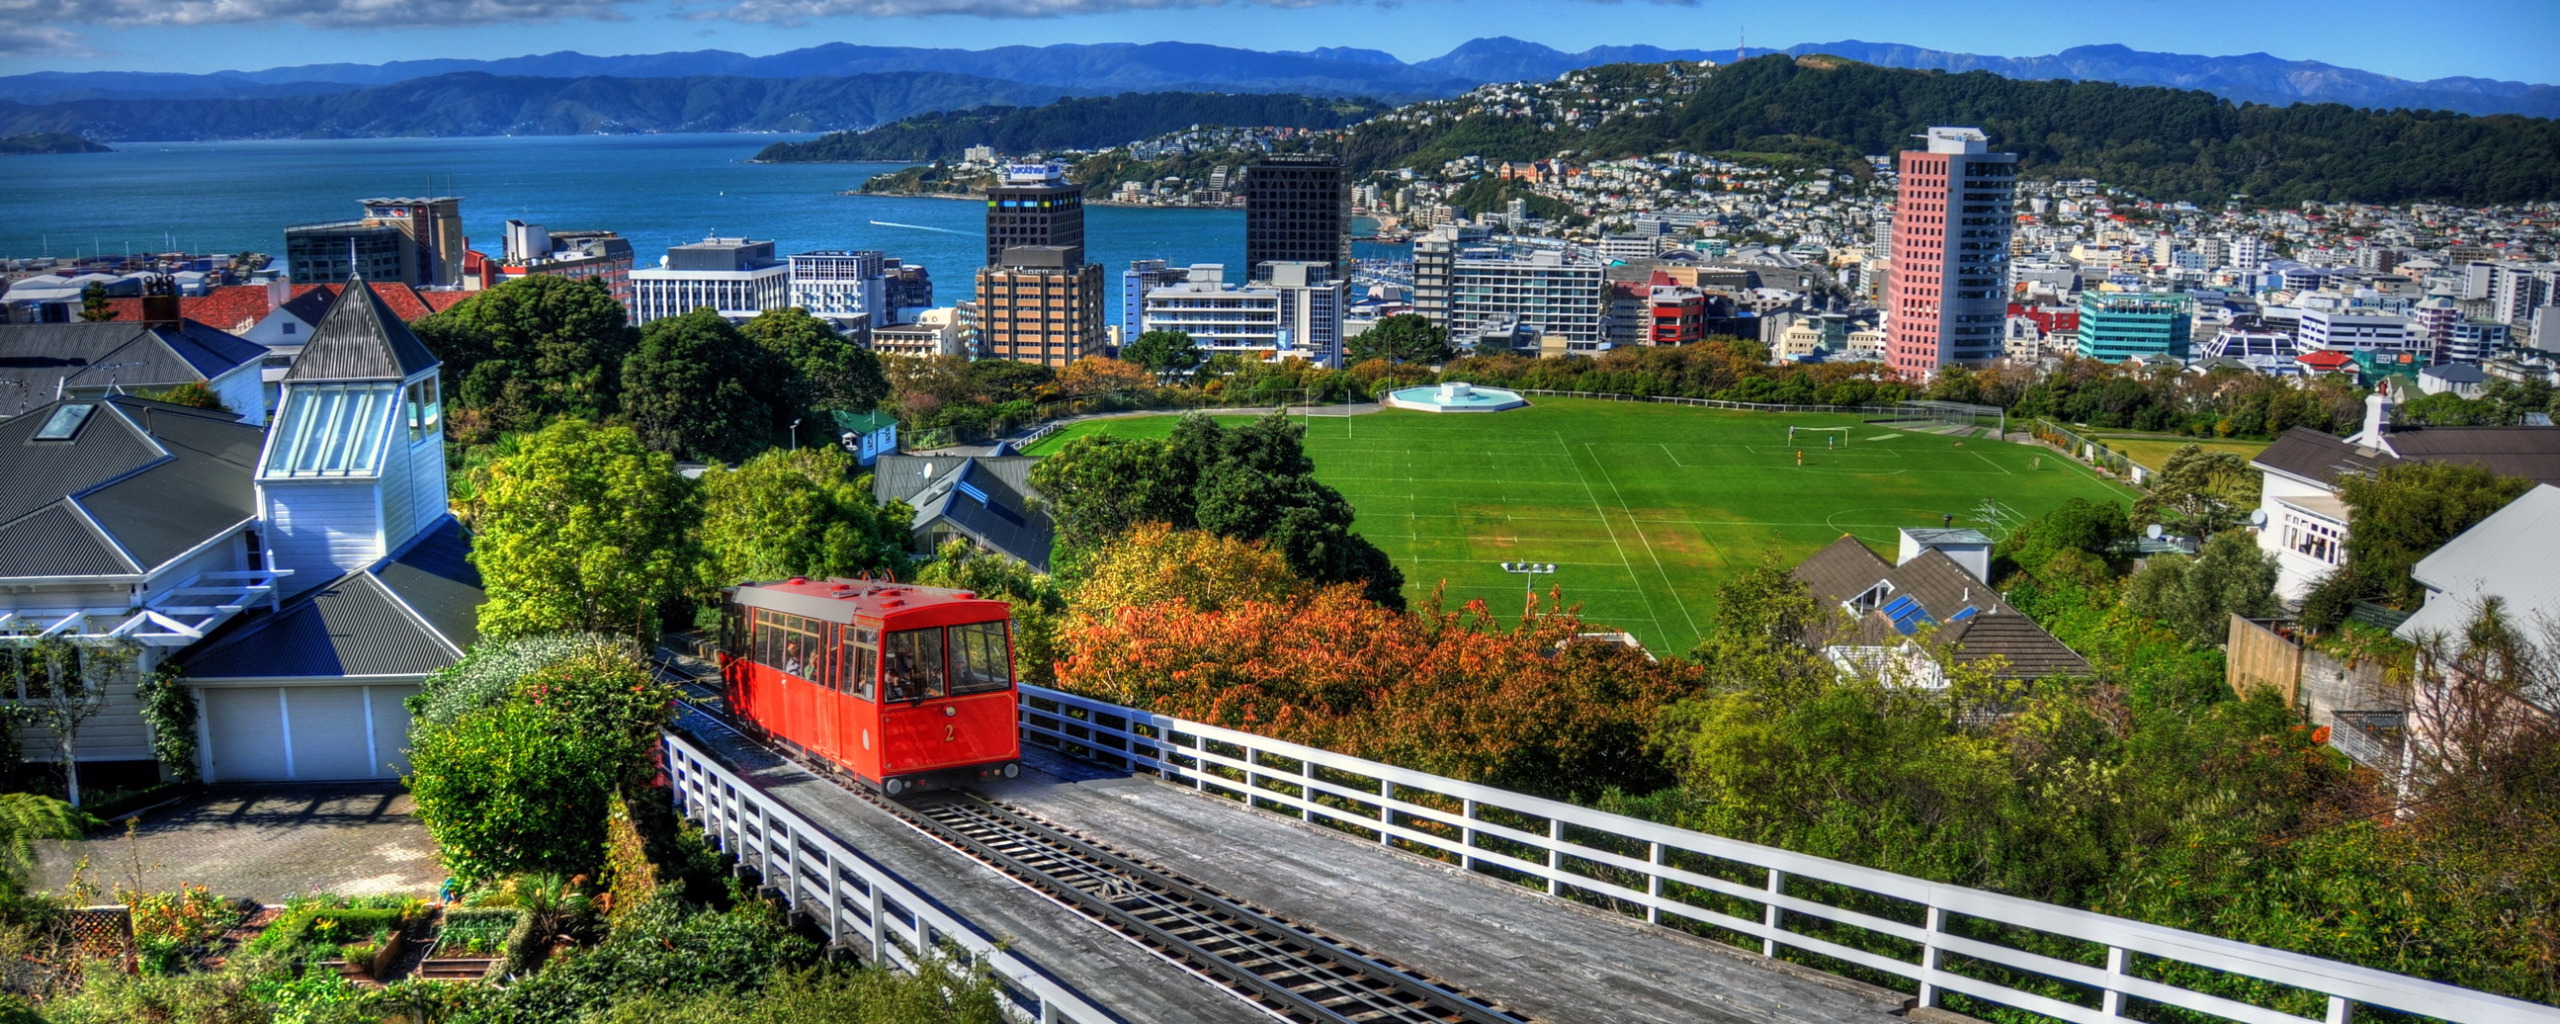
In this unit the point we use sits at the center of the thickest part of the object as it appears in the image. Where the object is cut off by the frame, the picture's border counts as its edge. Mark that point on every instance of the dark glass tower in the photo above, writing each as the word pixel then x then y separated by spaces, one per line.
pixel 1035 205
pixel 1296 208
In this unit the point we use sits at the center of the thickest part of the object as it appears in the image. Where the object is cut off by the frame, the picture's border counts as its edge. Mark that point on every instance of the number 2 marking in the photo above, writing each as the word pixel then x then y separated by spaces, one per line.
pixel 950 732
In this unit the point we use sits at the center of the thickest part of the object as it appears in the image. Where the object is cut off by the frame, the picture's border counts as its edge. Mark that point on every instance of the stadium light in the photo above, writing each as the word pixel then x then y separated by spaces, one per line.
pixel 1529 573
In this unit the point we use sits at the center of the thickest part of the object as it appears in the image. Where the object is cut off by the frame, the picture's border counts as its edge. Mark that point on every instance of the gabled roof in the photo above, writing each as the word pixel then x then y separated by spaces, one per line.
pixel 311 301
pixel 1932 589
pixel 38 362
pixel 407 615
pixel 863 423
pixel 900 477
pixel 2529 452
pixel 139 484
pixel 359 338
pixel 231 307
pixel 2511 556
pixel 980 504
pixel 2319 456
pixel 2029 651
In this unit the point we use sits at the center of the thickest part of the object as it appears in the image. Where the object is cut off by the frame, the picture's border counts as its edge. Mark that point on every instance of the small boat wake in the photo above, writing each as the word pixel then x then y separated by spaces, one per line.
pixel 916 227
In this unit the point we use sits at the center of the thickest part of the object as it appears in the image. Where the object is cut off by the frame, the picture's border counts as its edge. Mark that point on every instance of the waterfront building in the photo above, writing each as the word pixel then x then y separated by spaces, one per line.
pixel 1143 276
pixel 1951 230
pixel 1292 309
pixel 1040 304
pixel 414 241
pixel 579 255
pixel 907 289
pixel 2116 326
pixel 1034 205
pixel 841 286
pixel 1296 210
pixel 738 277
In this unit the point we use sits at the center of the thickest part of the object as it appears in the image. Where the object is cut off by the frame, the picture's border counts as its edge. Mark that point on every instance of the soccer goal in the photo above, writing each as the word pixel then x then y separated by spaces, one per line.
pixel 1809 432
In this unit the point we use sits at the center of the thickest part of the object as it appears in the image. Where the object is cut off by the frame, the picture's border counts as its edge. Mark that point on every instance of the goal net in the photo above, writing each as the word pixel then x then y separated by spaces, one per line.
pixel 1958 414
pixel 1811 433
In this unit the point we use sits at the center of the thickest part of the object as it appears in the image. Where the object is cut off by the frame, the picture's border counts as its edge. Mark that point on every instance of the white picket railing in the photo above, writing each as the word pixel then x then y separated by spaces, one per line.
pixel 856 902
pixel 1646 869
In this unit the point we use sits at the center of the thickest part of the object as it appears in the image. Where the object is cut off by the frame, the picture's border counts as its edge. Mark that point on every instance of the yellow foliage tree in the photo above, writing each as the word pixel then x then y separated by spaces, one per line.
pixel 1156 563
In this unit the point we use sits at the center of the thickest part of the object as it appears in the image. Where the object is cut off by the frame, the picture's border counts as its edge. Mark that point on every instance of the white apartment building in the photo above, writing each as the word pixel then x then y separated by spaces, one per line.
pixel 1553 291
pixel 840 285
pixel 2353 330
pixel 1293 310
pixel 737 277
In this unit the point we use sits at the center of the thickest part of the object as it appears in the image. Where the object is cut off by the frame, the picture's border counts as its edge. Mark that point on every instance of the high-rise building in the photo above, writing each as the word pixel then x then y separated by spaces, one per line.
pixel 1034 205
pixel 1434 255
pixel 738 277
pixel 841 286
pixel 413 241
pixel 908 288
pixel 1296 210
pixel 2115 326
pixel 602 256
pixel 2516 289
pixel 1040 304
pixel 1143 276
pixel 1535 290
pixel 1292 309
pixel 1952 221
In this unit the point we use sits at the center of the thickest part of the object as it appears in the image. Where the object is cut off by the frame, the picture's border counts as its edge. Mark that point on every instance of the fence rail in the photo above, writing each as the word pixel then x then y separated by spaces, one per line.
pixel 856 902
pixel 1955 939
pixel 2092 451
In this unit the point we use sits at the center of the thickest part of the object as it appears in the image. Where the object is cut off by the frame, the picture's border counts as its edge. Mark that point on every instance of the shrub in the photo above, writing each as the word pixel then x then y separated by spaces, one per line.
pixel 516 787
pixel 489 672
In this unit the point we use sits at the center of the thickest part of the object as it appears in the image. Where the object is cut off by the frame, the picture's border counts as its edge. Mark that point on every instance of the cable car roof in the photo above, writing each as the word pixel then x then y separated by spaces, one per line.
pixel 845 600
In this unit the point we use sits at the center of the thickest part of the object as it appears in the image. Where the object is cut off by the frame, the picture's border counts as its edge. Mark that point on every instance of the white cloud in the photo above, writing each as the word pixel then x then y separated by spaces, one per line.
pixel 40 40
pixel 317 13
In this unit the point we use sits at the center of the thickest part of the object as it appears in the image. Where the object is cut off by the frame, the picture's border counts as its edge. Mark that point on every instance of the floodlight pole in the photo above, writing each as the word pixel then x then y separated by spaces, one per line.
pixel 1529 573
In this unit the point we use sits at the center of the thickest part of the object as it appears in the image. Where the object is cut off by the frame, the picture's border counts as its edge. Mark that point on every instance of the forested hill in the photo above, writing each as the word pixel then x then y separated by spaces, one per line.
pixel 2161 143
pixel 1085 123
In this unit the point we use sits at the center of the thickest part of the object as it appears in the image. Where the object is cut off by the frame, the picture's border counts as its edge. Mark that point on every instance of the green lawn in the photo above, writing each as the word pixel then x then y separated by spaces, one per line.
pixel 1645 508
pixel 2153 450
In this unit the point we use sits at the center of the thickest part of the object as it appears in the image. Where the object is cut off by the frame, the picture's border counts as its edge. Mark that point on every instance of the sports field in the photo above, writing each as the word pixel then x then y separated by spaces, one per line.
pixel 1645 508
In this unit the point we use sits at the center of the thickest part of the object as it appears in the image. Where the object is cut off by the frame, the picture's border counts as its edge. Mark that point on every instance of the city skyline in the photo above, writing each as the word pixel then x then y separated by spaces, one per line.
pixel 200 37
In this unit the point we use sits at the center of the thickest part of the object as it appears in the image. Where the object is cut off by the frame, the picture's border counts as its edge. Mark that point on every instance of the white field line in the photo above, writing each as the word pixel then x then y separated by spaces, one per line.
pixel 1658 570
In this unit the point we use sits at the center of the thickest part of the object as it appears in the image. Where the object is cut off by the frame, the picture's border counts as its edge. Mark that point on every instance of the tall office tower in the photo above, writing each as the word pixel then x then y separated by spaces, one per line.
pixel 2517 289
pixel 841 286
pixel 1435 254
pixel 413 241
pixel 1951 225
pixel 1035 205
pixel 1533 292
pixel 737 277
pixel 909 289
pixel 1040 304
pixel 1296 210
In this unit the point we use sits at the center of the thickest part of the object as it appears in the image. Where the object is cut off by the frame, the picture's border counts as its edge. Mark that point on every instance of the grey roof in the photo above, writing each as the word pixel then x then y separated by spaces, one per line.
pixel 2319 456
pixel 2529 452
pixel 140 483
pixel 407 615
pixel 2455 373
pixel 40 361
pixel 899 477
pixel 359 338
pixel 979 503
pixel 1975 623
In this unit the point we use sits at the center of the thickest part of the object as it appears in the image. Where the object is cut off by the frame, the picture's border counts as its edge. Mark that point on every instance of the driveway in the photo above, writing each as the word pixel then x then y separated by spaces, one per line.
pixel 265 843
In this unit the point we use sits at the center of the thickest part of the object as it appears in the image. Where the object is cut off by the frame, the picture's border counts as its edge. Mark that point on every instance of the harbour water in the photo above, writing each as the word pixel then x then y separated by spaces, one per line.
pixel 657 190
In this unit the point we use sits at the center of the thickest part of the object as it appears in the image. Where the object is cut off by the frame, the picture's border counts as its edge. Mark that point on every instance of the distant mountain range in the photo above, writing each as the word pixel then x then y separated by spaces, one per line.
pixel 1014 74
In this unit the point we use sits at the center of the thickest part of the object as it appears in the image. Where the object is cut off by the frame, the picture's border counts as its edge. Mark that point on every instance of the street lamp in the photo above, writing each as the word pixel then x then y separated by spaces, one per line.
pixel 1529 573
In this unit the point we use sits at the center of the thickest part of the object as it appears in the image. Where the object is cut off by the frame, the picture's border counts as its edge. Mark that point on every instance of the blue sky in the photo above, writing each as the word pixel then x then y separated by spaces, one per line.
pixel 2507 39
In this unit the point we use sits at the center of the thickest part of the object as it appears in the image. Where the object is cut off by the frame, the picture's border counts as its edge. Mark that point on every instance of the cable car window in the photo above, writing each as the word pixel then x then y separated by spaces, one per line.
pixel 828 662
pixel 911 665
pixel 861 666
pixel 979 662
pixel 768 640
pixel 797 648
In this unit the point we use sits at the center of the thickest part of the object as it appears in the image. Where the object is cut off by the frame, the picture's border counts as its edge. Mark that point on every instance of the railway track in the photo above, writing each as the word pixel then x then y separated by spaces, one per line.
pixel 1291 972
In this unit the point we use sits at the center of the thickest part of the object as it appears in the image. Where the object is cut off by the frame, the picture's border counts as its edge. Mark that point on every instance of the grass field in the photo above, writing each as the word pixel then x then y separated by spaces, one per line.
pixel 2152 450
pixel 1643 508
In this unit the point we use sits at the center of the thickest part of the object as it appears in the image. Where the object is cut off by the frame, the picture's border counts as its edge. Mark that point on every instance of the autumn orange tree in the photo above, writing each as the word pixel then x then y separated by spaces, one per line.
pixel 1526 704
pixel 1098 375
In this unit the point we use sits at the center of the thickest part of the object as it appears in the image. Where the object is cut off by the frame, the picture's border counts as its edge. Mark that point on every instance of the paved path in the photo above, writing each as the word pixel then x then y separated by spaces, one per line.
pixel 264 843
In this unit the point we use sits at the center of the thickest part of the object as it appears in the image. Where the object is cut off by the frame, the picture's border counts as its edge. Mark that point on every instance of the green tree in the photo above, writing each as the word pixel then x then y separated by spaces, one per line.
pixel 1167 353
pixel 2199 493
pixel 192 394
pixel 698 389
pixel 24 819
pixel 583 529
pixel 2196 597
pixel 2400 515
pixel 93 304
pixel 1763 631
pixel 797 513
pixel 1402 338
pixel 533 349
pixel 821 368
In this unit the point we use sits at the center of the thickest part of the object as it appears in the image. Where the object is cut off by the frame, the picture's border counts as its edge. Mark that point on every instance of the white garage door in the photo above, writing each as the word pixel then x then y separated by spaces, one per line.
pixel 306 733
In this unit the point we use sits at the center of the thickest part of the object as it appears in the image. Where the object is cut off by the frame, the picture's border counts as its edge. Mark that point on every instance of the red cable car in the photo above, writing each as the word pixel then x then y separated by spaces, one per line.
pixel 907 687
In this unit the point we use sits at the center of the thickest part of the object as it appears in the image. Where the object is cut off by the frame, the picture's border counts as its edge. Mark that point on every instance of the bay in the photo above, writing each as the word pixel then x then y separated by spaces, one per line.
pixel 657 190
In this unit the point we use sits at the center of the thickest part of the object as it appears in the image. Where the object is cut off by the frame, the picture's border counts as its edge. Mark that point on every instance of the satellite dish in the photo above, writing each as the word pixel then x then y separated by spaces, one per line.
pixel 2258 518
pixel 2153 532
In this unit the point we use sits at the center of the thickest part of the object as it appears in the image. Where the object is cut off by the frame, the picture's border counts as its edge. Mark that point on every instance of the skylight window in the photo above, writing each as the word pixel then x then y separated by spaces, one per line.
pixel 65 422
pixel 331 430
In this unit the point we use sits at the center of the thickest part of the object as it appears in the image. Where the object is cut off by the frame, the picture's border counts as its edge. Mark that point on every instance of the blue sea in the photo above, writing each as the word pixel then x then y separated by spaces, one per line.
pixel 657 190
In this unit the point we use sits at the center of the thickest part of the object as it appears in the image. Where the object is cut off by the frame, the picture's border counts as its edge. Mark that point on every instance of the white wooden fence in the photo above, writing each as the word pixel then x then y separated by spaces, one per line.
pixel 855 901
pixel 1951 939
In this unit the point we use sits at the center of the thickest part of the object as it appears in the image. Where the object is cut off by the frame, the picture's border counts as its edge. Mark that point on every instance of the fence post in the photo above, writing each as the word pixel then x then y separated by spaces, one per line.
pixel 1929 957
pixel 879 924
pixel 1769 918
pixel 2341 1010
pixel 1467 834
pixel 1653 885
pixel 1252 779
pixel 2112 1004
pixel 1386 814
pixel 1555 852
pixel 835 899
